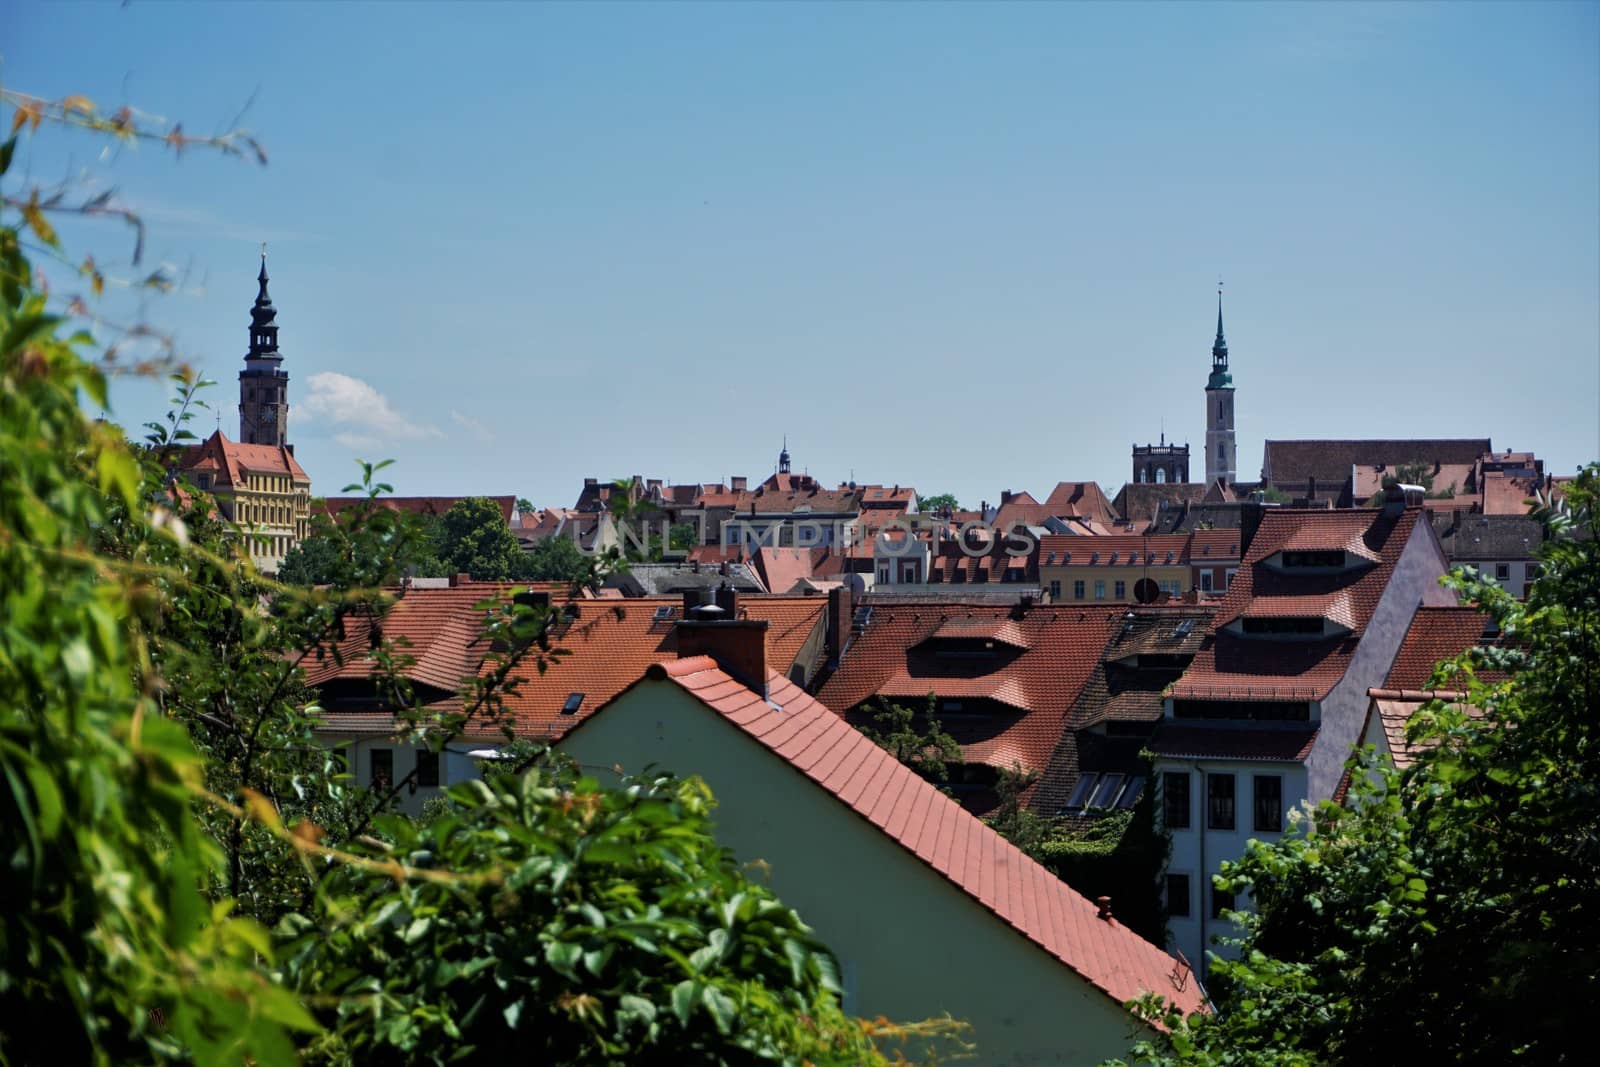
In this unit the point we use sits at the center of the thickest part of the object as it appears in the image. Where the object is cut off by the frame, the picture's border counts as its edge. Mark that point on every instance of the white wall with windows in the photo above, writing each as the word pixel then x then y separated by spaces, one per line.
pixel 1212 808
pixel 374 761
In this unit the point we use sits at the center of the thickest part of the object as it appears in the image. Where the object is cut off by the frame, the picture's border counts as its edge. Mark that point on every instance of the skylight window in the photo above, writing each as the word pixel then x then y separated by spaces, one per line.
pixel 1185 628
pixel 574 701
pixel 1084 790
pixel 1130 792
pixel 663 613
pixel 1106 795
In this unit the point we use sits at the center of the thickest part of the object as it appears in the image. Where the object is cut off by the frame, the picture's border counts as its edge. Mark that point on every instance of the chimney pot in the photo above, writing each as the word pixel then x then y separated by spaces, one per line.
pixel 1103 904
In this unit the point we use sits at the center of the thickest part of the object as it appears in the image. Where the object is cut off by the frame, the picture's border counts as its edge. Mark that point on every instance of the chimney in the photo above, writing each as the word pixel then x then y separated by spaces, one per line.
pixel 739 483
pixel 1250 515
pixel 459 580
pixel 1103 908
pixel 1006 496
pixel 837 632
pixel 1311 490
pixel 738 645
pixel 1397 496
pixel 727 598
pixel 587 482
pixel 691 600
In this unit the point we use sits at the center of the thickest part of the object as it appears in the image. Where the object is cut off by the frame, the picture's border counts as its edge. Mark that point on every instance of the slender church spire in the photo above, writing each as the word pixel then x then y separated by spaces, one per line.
pixel 1221 451
pixel 1219 347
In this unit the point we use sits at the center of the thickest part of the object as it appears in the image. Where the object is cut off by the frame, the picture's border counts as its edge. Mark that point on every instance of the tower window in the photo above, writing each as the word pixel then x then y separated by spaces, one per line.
pixel 1161 475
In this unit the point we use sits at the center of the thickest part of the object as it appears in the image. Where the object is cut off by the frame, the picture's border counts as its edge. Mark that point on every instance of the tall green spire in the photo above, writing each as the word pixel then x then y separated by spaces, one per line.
pixel 1220 378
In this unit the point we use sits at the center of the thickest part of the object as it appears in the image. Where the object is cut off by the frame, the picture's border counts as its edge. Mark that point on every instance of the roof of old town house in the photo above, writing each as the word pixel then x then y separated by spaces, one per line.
pixel 1234 667
pixel 1045 655
pixel 957 846
pixel 1138 502
pixel 1148 650
pixel 230 460
pixel 1438 634
pixel 1114 550
pixel 1080 500
pixel 1331 462
pixel 606 643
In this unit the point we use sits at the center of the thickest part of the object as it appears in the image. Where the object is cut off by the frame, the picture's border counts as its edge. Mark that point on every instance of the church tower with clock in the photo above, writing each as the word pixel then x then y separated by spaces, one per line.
pixel 263 384
pixel 1221 453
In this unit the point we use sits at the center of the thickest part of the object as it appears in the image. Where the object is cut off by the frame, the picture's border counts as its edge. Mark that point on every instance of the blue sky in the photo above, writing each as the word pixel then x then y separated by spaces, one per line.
pixel 963 247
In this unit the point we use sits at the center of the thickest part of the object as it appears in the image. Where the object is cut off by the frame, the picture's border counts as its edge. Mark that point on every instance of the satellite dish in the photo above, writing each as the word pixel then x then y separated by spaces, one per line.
pixel 1146 591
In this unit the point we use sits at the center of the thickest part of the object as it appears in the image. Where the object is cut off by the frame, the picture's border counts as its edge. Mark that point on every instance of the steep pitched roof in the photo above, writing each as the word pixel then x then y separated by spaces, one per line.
pixel 1138 502
pixel 1040 663
pixel 781 569
pixel 1330 462
pixel 230 460
pixel 932 827
pixel 607 644
pixel 1085 500
pixel 1487 538
pixel 1438 634
pixel 1146 653
pixel 1233 667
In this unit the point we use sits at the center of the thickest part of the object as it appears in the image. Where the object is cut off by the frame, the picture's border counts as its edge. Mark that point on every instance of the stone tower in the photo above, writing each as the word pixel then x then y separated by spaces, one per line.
pixel 263 384
pixel 1221 454
pixel 1161 463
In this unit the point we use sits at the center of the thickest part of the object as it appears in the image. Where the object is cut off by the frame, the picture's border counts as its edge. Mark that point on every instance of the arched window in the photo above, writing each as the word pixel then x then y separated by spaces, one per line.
pixel 1141 474
pixel 1161 475
pixel 1222 453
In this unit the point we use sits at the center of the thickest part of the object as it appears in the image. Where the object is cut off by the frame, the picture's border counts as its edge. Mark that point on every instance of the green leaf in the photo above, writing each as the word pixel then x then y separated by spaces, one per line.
pixel 684 995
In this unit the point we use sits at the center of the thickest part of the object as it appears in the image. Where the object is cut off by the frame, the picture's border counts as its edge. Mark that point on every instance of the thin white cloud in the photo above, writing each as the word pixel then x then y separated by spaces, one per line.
pixel 473 426
pixel 359 415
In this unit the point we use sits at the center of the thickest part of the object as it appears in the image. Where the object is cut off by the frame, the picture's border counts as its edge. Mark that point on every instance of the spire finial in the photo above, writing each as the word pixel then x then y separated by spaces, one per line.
pixel 1219 347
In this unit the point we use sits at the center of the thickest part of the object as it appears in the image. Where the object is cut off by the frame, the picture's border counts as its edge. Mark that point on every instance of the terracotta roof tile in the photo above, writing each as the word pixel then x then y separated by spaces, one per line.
pixel 231 459
pixel 608 644
pixel 954 844
pixel 1230 666
pixel 1438 634
pixel 1040 662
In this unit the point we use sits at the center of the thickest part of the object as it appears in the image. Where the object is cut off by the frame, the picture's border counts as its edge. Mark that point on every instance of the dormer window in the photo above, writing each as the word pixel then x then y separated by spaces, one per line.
pixel 1313 559
pixel 1299 627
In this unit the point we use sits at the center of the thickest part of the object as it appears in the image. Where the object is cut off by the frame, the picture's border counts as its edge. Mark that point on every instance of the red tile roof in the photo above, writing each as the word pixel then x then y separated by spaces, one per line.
pixel 1214 742
pixel 958 847
pixel 1043 660
pixel 1438 634
pixel 1080 500
pixel 230 460
pixel 1213 546
pixel 607 643
pixel 781 569
pixel 1231 666
pixel 1115 550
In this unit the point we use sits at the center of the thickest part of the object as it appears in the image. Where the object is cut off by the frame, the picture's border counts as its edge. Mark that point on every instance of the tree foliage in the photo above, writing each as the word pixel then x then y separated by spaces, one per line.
pixel 473 538
pixel 557 559
pixel 918 741
pixel 938 502
pixel 595 926
pixel 1452 912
